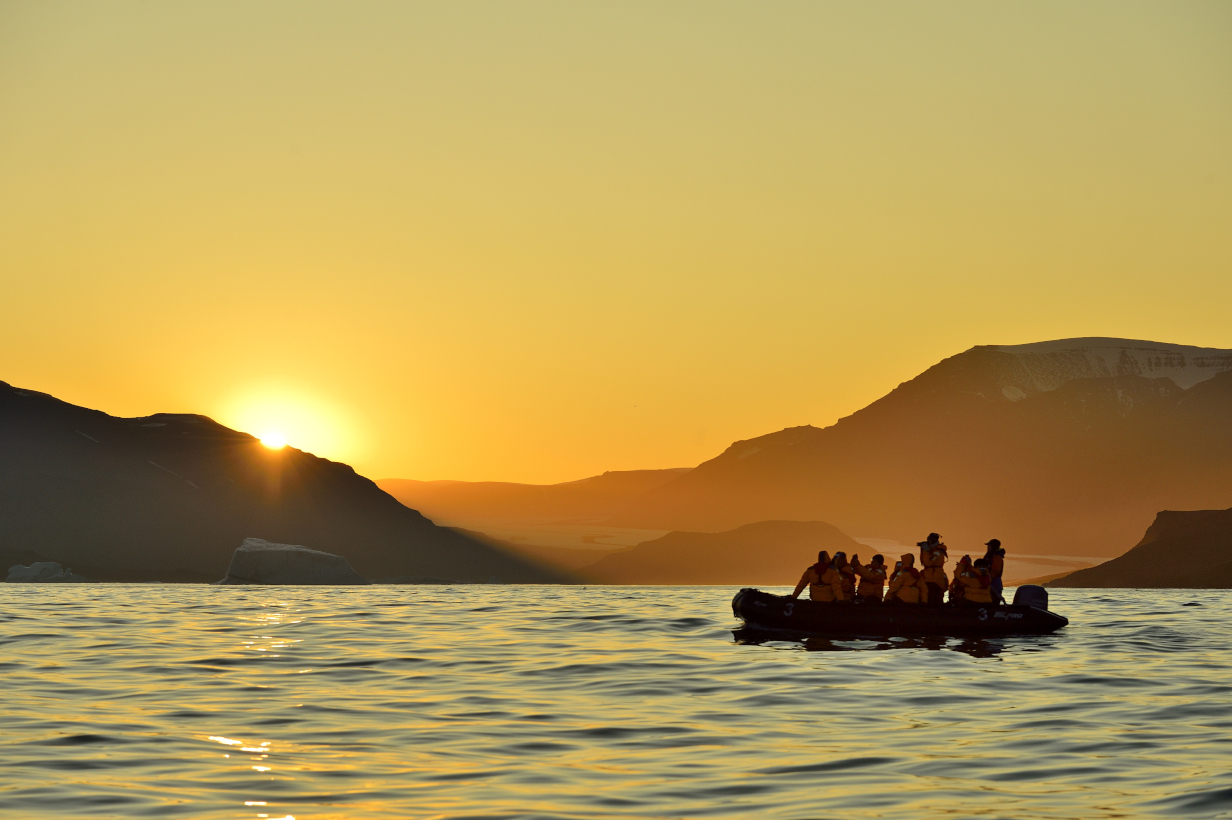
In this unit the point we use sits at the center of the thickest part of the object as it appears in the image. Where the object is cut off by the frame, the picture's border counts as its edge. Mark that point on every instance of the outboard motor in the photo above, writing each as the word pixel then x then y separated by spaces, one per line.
pixel 1031 595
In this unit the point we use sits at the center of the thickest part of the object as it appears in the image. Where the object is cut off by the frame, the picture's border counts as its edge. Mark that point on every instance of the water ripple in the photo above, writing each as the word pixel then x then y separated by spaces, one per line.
pixel 595 702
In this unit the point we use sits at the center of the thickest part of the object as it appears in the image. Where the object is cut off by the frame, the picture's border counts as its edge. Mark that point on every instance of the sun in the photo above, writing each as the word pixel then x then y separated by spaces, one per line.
pixel 274 441
pixel 283 416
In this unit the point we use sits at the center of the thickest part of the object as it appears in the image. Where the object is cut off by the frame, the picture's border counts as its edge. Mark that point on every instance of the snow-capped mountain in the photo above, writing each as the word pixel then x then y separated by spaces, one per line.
pixel 1044 366
pixel 1064 447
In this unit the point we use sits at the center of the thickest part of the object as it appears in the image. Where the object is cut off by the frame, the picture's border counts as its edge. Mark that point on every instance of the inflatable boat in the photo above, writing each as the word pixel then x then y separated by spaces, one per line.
pixel 1028 615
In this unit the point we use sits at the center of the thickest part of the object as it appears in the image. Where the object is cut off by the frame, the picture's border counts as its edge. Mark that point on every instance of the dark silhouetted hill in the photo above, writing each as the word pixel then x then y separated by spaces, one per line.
pixel 765 553
pixel 1064 448
pixel 589 499
pixel 169 497
pixel 1191 550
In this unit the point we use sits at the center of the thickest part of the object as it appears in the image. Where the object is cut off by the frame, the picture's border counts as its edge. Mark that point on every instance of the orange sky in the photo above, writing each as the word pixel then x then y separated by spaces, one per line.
pixel 534 242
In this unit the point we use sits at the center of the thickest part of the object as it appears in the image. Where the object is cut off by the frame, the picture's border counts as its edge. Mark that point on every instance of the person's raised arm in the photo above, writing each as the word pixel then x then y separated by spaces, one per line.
pixel 804 581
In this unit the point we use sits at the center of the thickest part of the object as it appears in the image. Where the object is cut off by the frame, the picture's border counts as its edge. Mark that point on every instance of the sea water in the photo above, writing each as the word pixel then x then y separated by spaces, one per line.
pixel 595 702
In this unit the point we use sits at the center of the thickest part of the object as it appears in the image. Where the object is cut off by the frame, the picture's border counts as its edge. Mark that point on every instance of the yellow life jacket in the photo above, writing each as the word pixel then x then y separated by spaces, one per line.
pixel 932 563
pixel 825 584
pixel 975 588
pixel 833 581
pixel 905 586
pixel 957 589
pixel 934 556
pixel 872 581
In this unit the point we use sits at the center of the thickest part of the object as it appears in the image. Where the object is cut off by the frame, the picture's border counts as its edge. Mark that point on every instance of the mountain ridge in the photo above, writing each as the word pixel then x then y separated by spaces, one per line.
pixel 1189 549
pixel 586 499
pixel 169 497
pixel 1093 357
pixel 917 459
pixel 766 553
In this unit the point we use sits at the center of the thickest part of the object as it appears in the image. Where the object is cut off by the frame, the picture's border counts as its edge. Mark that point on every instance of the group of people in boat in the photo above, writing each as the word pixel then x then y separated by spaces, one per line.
pixel 837 579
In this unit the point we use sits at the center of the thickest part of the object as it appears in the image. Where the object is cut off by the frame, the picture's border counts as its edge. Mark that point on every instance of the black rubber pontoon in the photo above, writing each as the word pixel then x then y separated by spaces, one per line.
pixel 778 613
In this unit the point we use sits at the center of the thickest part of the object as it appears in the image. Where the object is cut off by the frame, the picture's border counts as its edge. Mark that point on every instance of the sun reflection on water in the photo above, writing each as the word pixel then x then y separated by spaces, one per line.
pixel 415 701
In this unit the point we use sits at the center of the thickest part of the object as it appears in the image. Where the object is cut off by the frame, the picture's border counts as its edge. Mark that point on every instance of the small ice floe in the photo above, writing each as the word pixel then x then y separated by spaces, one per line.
pixel 258 561
pixel 44 572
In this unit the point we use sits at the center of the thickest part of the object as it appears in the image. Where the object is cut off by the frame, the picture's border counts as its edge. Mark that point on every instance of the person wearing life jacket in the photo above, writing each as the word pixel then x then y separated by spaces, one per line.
pixel 846 575
pixel 822 580
pixel 996 566
pixel 976 582
pixel 933 555
pixel 906 587
pixel 956 586
pixel 872 579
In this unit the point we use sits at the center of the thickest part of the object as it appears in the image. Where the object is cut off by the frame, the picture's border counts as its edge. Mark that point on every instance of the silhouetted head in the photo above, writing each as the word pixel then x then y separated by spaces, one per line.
pixel 823 557
pixel 878 560
pixel 993 545
pixel 981 563
pixel 933 538
pixel 908 561
pixel 965 561
pixel 840 559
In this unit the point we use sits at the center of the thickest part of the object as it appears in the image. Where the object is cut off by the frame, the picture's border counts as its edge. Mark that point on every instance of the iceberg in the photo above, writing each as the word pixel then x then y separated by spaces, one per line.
pixel 43 572
pixel 258 561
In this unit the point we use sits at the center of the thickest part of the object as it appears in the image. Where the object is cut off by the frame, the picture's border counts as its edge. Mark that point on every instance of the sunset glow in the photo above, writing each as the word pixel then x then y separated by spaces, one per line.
pixel 274 441
pixel 510 246
pixel 616 410
pixel 282 414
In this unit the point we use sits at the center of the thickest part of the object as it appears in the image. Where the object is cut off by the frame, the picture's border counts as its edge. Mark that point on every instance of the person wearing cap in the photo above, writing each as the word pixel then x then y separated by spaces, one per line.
pixel 996 565
pixel 822 580
pixel 906 587
pixel 976 583
pixel 872 579
pixel 933 555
